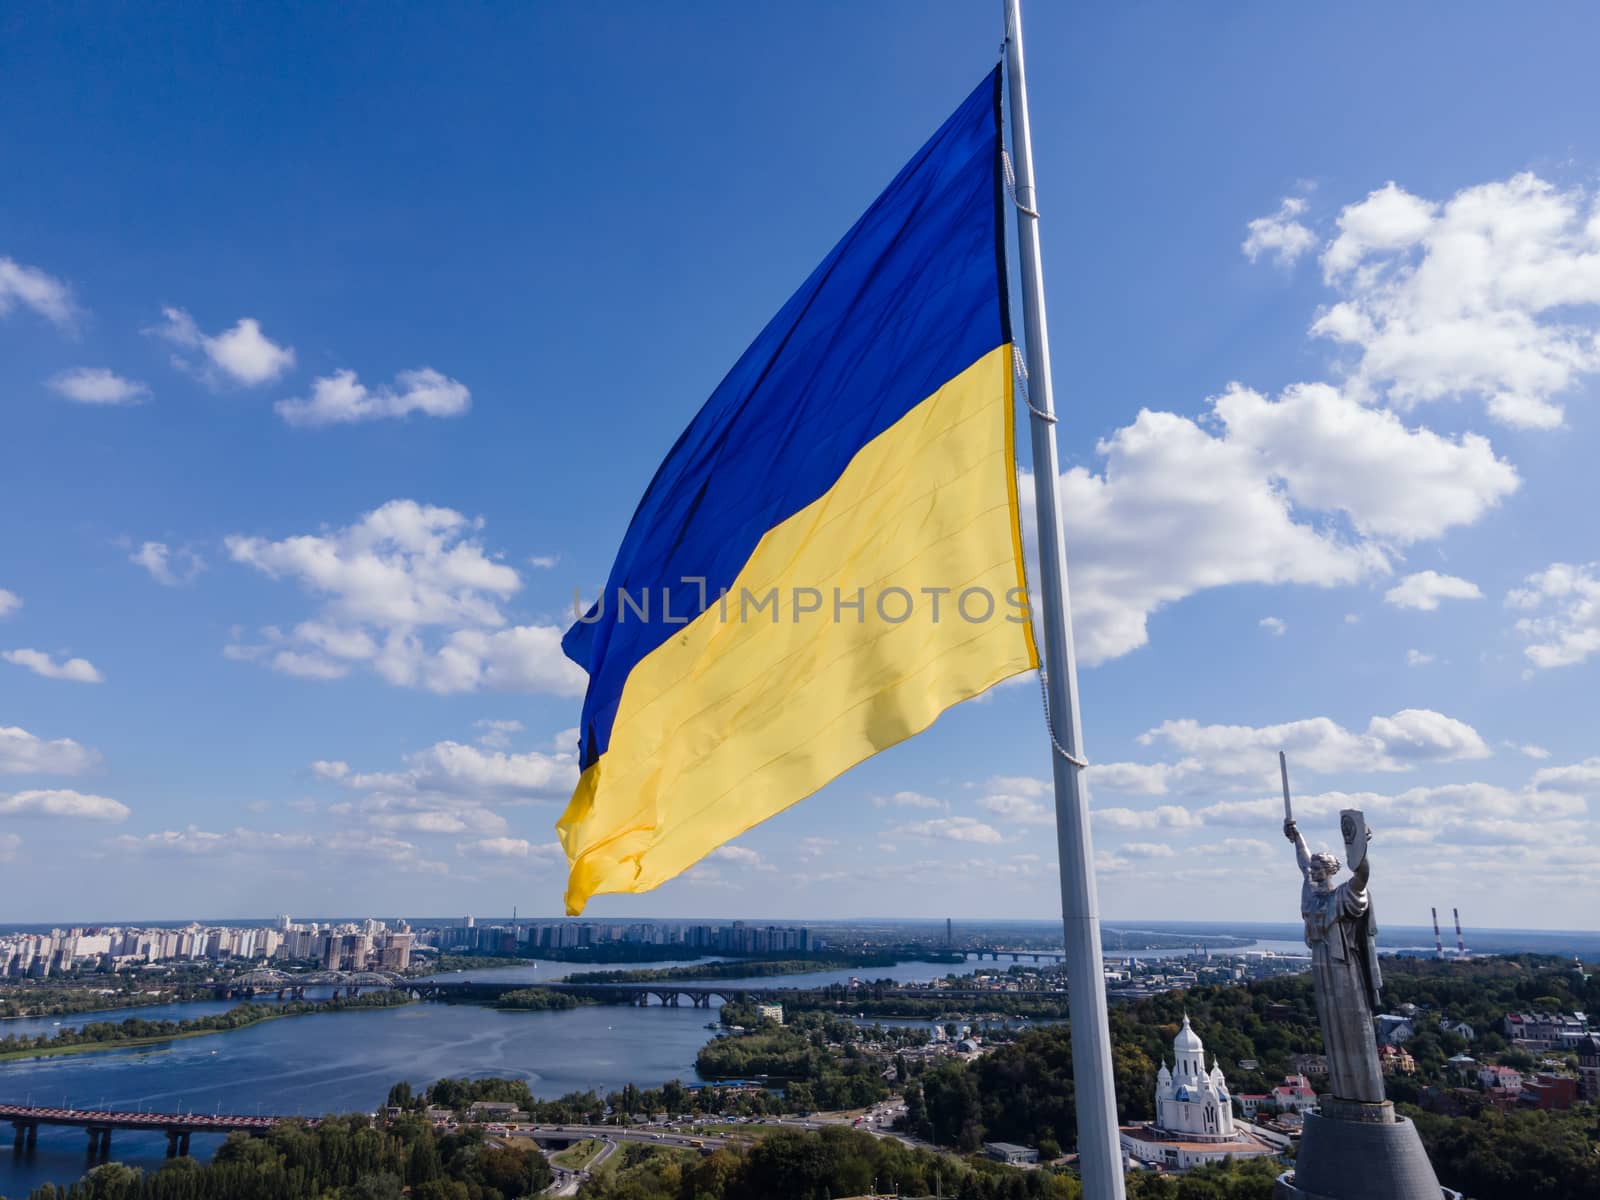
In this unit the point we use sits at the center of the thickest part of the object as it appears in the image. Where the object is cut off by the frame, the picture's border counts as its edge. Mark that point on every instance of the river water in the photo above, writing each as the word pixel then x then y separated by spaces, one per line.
pixel 346 1062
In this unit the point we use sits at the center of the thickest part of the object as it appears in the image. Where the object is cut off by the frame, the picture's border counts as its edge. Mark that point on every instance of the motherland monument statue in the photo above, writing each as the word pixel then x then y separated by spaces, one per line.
pixel 1354 1146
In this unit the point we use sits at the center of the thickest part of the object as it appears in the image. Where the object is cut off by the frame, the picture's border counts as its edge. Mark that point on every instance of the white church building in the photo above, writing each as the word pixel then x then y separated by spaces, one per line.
pixel 1194 1114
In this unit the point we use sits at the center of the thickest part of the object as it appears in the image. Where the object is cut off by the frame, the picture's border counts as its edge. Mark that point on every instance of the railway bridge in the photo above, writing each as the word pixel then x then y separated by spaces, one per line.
pixel 283 984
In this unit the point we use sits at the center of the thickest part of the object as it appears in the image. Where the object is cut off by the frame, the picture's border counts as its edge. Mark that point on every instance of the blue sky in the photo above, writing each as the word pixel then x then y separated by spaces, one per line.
pixel 336 349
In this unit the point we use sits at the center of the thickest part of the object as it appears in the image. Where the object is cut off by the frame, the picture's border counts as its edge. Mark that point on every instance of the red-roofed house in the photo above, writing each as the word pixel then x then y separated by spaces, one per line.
pixel 1395 1059
pixel 1294 1094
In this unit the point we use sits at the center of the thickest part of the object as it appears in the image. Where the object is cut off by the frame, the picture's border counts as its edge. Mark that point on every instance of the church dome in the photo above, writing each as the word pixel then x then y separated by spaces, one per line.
pixel 1187 1041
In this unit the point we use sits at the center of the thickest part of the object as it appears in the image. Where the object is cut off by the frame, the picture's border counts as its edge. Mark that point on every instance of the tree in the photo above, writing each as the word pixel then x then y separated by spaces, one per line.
pixel 376 1187
pixel 674 1097
pixel 513 1172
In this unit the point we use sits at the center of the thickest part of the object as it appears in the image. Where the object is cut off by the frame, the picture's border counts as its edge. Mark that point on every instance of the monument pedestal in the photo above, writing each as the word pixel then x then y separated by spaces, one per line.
pixel 1353 1151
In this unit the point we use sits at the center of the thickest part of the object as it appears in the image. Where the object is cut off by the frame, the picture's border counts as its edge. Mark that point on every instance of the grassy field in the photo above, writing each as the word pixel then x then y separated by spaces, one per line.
pixel 577 1156
pixel 125 1044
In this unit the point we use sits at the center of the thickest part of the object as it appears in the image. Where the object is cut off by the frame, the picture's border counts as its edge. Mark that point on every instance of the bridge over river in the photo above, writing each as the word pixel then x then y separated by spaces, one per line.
pixel 700 996
pixel 26 1119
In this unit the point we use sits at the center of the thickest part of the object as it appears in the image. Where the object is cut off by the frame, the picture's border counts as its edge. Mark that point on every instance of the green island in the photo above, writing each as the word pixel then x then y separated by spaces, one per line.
pixel 536 999
pixel 136 1032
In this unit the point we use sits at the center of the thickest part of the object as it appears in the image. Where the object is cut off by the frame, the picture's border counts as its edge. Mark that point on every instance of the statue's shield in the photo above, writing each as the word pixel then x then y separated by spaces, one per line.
pixel 1353 825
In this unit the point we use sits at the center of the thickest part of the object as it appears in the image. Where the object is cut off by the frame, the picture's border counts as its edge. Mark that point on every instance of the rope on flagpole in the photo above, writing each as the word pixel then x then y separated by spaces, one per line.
pixel 1050 725
pixel 1011 184
pixel 1020 369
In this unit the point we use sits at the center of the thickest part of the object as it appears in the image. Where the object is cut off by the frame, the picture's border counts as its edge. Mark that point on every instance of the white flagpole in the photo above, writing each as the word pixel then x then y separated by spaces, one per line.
pixel 1099 1143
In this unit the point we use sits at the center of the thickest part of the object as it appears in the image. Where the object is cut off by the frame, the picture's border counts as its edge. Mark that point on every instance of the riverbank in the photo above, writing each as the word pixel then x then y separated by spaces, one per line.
pixel 137 1034
pixel 759 967
pixel 338 1062
pixel 67 1002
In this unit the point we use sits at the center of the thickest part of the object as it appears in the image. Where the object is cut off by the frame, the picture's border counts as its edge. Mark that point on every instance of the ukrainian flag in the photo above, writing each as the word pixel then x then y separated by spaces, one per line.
pixel 754 640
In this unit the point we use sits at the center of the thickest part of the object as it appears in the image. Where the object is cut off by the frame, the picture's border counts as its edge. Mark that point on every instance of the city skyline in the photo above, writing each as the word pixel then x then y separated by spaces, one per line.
pixel 318 429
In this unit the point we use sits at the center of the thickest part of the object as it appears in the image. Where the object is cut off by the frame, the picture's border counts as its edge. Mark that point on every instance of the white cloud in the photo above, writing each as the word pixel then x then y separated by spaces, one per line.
pixel 73 670
pixel 168 567
pixel 341 399
pixel 63 803
pixel 1479 296
pixel 1140 779
pixel 97 385
pixel 1280 234
pixel 1180 510
pixel 1388 219
pixel 1021 809
pixel 1273 625
pixel 1582 778
pixel 242 354
pixel 543 561
pixel 1529 749
pixel 9 602
pixel 401 570
pixel 1324 486
pixel 10 843
pixel 452 788
pixel 1567 631
pixel 740 856
pixel 1022 785
pixel 1146 850
pixel 1458 815
pixel 398 817
pixel 1424 589
pixel 1333 454
pixel 33 289
pixel 307 666
pixel 1165 816
pixel 523 658
pixel 454 767
pixel 951 829
pixel 1241 752
pixel 509 847
pixel 1416 658
pixel 196 842
pixel 353 847
pixel 908 800
pixel 497 734
pixel 401 565
pixel 21 753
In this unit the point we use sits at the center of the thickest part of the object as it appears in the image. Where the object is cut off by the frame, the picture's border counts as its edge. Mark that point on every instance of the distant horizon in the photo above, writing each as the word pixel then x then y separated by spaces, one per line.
pixel 1157 924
